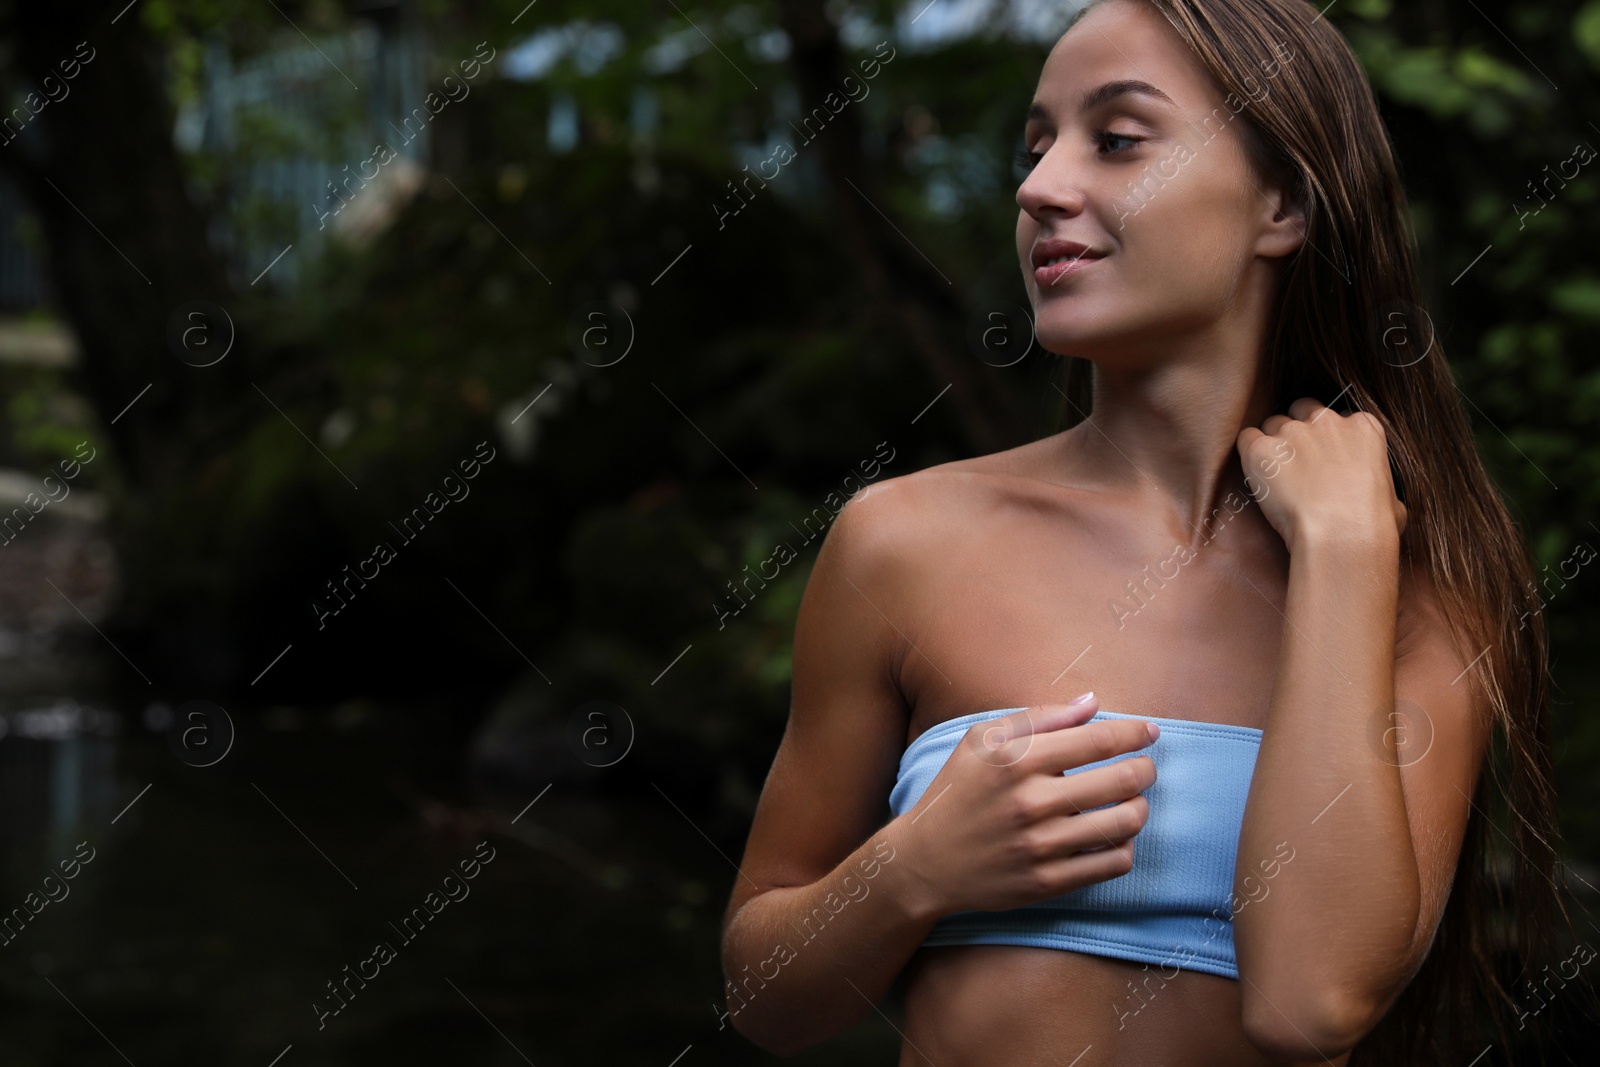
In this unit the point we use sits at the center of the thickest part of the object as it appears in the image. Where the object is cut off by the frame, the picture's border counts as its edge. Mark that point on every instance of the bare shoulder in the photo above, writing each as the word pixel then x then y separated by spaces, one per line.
pixel 911 507
pixel 1430 656
pixel 891 532
pixel 1423 614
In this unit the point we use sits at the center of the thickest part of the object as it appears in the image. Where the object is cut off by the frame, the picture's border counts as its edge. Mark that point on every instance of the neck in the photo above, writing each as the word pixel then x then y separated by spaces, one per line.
pixel 1163 429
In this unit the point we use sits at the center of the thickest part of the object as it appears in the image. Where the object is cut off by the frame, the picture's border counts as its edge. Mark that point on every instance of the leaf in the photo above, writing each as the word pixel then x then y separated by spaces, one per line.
pixel 1580 296
pixel 1480 69
pixel 1586 31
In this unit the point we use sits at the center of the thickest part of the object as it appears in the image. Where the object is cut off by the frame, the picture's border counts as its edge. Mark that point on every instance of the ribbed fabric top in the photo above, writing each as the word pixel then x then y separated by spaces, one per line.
pixel 1174 908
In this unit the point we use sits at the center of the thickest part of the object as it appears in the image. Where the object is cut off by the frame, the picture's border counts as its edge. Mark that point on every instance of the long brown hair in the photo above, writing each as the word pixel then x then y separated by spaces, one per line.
pixel 1349 329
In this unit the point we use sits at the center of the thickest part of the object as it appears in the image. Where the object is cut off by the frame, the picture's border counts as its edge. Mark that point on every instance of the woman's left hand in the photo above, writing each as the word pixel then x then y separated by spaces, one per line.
pixel 1317 474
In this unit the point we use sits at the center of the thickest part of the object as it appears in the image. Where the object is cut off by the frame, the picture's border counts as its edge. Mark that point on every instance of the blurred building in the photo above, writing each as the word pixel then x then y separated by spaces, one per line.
pixel 278 128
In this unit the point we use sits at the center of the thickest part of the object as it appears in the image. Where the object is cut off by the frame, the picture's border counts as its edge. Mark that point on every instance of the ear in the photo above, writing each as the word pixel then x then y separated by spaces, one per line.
pixel 1283 219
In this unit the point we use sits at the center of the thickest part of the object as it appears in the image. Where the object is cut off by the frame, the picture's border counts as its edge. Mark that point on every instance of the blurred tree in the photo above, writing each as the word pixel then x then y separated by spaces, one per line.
pixel 599 164
pixel 126 243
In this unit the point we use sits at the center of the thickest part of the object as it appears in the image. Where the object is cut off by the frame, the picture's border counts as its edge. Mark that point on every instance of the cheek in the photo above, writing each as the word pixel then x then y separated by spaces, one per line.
pixel 1192 232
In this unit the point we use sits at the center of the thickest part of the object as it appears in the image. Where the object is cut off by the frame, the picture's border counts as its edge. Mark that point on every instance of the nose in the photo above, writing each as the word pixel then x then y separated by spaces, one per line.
pixel 1050 189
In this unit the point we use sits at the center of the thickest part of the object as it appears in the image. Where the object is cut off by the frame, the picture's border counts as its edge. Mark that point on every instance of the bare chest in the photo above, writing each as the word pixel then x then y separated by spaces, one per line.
pixel 1032 614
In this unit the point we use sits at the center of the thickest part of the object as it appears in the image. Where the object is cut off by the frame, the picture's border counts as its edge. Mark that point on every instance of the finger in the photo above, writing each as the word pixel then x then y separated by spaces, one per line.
pixel 1247 438
pixel 1081 790
pixel 1307 408
pixel 1093 742
pixel 1044 718
pixel 1005 740
pixel 1101 828
pixel 1087 868
pixel 1273 423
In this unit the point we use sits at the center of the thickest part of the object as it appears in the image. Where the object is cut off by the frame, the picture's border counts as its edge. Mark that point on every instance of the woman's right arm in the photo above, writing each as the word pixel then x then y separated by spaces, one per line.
pixel 823 900
pixel 830 902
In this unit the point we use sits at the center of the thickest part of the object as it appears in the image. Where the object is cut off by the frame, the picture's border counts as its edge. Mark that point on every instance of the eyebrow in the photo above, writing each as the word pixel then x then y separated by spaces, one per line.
pixel 1103 93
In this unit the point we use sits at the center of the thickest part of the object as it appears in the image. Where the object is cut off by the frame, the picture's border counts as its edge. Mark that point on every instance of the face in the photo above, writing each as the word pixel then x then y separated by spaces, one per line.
pixel 1141 217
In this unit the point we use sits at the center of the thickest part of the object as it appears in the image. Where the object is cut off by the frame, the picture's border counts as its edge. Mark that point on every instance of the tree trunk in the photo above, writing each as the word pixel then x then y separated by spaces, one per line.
pixel 127 246
pixel 926 306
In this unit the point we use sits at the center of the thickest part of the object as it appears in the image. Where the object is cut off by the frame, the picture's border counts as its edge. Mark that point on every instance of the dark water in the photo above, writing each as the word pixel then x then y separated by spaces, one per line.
pixel 217 903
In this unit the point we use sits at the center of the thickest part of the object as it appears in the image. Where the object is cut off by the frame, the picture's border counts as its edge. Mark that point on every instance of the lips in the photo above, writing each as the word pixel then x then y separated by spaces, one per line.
pixel 1055 259
pixel 1047 252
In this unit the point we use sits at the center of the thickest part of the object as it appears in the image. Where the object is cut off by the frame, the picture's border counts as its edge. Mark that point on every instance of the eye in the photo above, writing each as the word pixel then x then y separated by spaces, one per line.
pixel 1102 137
pixel 1024 160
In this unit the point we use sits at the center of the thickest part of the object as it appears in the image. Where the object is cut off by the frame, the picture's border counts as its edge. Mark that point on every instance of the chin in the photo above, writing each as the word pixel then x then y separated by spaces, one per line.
pixel 1113 336
pixel 1067 333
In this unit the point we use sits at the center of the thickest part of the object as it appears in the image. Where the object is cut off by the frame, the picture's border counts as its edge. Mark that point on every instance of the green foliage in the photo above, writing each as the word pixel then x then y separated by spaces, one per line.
pixel 1586 31
pixel 1578 296
pixel 45 422
pixel 447 326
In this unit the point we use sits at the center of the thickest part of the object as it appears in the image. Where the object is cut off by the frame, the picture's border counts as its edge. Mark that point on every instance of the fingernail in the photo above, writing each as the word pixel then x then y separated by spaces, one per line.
pixel 1155 731
pixel 1081 700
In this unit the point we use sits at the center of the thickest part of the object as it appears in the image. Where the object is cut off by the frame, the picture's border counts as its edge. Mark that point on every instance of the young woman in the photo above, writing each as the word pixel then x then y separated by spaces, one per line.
pixel 1292 871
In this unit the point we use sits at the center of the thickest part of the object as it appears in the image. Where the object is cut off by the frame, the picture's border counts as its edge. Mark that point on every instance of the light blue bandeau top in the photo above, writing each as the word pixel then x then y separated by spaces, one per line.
pixel 1174 908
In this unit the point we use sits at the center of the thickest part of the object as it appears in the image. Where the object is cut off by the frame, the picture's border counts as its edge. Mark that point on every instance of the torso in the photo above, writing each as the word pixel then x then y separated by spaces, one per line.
pixel 1012 609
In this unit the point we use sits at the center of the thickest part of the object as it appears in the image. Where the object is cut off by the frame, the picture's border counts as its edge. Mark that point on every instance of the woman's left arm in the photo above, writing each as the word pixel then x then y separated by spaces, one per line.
pixel 1368 758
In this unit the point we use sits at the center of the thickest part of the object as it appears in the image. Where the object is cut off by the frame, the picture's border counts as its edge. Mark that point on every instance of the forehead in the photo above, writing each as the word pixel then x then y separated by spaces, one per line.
pixel 1118 40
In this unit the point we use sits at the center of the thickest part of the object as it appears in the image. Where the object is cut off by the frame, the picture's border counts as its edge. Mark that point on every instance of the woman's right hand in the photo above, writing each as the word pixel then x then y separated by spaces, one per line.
pixel 1001 825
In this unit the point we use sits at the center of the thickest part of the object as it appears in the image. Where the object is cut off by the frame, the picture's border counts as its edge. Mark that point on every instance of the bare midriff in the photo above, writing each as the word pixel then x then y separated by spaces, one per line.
pixel 1016 1006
